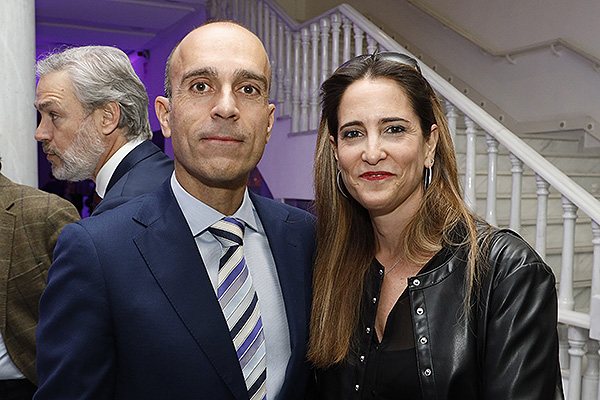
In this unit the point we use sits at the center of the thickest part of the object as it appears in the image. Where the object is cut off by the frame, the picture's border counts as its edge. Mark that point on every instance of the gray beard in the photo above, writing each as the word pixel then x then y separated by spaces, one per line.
pixel 80 160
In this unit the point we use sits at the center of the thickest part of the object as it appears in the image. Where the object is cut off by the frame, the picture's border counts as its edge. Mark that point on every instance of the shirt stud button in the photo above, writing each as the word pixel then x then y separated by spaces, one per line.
pixel 380 272
pixel 420 311
pixel 368 330
pixel 362 359
pixel 427 372
pixel 423 340
pixel 416 282
pixel 356 387
pixel 374 300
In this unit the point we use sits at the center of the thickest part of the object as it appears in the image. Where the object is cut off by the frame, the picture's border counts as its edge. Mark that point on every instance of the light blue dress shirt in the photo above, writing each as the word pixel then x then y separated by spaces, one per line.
pixel 261 266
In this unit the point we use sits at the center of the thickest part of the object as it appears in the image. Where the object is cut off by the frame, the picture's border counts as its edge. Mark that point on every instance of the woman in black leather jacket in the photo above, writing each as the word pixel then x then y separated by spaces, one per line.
pixel 414 296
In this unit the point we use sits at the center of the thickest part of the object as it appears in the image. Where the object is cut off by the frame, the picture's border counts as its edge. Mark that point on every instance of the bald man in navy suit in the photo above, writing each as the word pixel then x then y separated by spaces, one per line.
pixel 131 310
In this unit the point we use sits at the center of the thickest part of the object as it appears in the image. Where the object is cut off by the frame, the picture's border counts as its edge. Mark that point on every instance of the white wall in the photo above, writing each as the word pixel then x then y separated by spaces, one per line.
pixel 287 163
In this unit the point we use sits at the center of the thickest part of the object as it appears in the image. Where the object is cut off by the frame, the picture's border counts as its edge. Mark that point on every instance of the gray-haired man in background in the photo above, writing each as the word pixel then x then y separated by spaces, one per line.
pixel 95 125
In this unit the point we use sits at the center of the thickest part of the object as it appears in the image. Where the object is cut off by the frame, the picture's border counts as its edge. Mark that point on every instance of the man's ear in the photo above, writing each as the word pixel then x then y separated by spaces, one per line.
pixel 107 117
pixel 161 108
pixel 271 121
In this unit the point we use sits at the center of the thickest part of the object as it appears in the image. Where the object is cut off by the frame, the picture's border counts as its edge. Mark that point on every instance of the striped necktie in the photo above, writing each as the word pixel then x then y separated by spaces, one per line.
pixel 239 303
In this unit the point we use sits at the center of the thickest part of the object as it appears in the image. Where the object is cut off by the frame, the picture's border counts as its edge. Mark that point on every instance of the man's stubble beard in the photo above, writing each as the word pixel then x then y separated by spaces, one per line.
pixel 79 161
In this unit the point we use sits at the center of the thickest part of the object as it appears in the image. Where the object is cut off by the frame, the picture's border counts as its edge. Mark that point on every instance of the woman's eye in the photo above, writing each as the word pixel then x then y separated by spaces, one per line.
pixel 352 133
pixel 395 129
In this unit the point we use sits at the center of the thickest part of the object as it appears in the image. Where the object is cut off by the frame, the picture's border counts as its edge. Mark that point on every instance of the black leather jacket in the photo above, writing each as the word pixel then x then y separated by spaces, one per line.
pixel 506 348
pixel 509 347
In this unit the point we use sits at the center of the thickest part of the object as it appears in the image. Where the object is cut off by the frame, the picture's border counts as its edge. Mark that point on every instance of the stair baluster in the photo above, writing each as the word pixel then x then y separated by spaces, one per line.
pixel 469 195
pixel 589 384
pixel 347 26
pixel 492 180
pixel 515 198
pixel 336 23
pixel 325 25
pixel 542 215
pixel 314 77
pixel 452 117
pixel 577 338
pixel 565 293
pixel 358 40
pixel 281 39
pixel 287 85
pixel 304 99
pixel 296 113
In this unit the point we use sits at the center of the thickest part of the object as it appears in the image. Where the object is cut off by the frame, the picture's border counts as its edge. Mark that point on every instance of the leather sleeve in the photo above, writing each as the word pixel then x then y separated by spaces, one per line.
pixel 520 357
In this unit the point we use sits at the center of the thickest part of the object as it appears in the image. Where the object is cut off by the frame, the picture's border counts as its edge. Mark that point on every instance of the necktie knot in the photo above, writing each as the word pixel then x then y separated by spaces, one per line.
pixel 228 231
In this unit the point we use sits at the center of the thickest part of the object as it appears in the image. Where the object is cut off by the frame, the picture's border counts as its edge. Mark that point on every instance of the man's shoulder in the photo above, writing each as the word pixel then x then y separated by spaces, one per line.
pixel 293 213
pixel 32 198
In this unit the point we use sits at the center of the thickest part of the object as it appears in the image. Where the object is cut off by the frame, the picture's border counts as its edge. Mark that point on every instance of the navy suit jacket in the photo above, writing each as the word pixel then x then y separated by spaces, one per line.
pixel 142 171
pixel 130 312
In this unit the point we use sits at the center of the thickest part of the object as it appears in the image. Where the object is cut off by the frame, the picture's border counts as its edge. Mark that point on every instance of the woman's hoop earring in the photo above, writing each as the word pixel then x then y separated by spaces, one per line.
pixel 427 177
pixel 339 184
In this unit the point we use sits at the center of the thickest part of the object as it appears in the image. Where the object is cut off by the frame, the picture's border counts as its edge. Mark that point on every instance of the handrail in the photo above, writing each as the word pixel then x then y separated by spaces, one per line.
pixel 551 44
pixel 574 318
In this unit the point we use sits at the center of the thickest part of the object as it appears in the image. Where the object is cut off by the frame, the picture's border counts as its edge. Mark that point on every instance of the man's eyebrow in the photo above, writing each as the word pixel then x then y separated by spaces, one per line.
pixel 208 72
pixel 44 105
pixel 246 74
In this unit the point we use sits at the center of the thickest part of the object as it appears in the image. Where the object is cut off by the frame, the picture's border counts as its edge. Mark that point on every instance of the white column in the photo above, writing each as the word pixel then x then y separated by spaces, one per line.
pixel 18 147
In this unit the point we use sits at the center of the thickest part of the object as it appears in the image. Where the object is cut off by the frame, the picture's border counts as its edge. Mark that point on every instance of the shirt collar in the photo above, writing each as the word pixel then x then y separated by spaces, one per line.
pixel 108 169
pixel 200 216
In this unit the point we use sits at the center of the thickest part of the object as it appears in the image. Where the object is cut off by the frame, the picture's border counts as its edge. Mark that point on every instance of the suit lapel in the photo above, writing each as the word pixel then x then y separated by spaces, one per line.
pixel 171 254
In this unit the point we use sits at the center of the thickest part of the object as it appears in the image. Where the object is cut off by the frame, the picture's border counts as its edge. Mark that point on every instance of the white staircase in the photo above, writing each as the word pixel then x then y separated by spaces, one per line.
pixel 564 152
pixel 516 182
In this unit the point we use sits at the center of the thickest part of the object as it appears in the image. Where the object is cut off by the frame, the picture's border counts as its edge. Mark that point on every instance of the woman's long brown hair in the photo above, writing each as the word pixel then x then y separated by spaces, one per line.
pixel 346 241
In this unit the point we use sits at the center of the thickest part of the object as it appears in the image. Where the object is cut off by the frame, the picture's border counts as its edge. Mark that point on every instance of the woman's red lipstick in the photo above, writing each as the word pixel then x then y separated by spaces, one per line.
pixel 375 175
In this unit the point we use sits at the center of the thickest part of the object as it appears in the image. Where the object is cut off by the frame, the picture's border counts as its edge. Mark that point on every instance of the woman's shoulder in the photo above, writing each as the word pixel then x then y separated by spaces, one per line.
pixel 508 253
